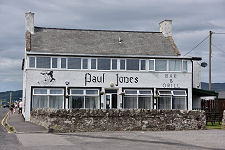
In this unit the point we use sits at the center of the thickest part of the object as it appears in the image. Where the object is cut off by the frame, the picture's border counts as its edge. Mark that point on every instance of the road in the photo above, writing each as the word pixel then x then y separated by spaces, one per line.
pixel 174 140
pixel 7 141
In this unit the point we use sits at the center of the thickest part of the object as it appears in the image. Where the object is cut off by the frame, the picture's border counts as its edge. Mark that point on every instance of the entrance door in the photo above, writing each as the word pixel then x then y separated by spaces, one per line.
pixel 111 100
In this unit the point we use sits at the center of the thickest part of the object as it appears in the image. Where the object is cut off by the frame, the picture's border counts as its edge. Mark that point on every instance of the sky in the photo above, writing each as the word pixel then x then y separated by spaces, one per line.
pixel 192 21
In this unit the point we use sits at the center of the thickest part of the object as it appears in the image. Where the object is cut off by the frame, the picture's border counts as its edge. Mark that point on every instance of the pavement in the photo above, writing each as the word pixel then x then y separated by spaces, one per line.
pixel 21 126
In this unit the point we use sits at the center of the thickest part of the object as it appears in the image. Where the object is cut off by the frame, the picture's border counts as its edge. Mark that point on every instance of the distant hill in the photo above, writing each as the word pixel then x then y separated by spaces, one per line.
pixel 215 86
pixel 16 95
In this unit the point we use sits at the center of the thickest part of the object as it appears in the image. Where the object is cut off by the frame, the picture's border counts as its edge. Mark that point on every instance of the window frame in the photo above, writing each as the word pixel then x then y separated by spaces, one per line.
pixel 137 95
pixel 48 95
pixel 183 66
pixel 84 95
pixel 50 65
pixel 140 63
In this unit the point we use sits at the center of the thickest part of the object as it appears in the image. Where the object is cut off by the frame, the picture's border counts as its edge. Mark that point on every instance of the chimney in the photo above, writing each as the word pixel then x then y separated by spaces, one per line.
pixel 29 22
pixel 166 27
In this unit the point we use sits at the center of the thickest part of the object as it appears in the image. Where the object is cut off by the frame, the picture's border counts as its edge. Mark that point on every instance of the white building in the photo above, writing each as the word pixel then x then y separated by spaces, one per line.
pixel 104 69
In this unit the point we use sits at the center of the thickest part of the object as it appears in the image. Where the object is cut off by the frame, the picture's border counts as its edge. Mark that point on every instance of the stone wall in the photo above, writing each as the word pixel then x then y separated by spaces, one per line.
pixel 118 120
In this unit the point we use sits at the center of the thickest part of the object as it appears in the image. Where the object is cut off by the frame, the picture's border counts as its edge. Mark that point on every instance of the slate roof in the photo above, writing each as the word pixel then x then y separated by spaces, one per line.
pixel 104 42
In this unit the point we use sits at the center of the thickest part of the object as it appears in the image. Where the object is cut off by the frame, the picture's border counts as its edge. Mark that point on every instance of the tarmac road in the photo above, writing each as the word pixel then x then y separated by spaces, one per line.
pixel 135 140
pixel 7 141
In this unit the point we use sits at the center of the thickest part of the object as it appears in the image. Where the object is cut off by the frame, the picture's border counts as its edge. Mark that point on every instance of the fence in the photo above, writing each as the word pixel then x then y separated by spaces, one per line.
pixel 214 110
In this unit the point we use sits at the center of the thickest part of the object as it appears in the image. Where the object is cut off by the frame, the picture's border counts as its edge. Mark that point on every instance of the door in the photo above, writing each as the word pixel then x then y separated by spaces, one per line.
pixel 111 101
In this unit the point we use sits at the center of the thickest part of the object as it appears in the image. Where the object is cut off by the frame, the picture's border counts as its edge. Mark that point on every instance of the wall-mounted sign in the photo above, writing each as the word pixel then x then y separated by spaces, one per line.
pixel 172 83
pixel 90 78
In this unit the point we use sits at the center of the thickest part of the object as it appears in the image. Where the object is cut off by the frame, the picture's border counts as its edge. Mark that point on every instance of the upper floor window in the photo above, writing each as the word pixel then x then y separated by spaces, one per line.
pixel 74 63
pixel 85 64
pixel 132 64
pixel 93 63
pixel 108 63
pixel 143 64
pixel 43 62
pixel 104 64
pixel 185 66
pixel 122 64
pixel 63 62
pixel 160 65
pixel 151 64
pixel 114 64
pixel 54 62
pixel 174 65
pixel 32 62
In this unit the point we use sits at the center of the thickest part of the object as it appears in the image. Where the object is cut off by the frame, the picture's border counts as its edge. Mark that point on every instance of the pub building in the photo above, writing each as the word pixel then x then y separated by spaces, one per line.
pixel 105 69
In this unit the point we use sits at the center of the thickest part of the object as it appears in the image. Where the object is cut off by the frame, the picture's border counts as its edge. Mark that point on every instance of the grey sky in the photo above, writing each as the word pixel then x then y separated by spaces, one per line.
pixel 192 20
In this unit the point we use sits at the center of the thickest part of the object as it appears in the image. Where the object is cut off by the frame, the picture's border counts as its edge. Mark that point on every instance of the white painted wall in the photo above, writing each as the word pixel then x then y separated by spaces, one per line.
pixel 144 79
pixel 197 74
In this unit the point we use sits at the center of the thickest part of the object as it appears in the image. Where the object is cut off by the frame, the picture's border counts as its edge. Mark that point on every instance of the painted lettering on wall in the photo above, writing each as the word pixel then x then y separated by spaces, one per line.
pixel 122 79
pixel 95 79
pixel 90 78
pixel 171 81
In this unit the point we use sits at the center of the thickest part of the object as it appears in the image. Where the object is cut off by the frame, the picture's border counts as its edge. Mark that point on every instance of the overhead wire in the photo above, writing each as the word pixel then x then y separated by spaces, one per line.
pixel 197 45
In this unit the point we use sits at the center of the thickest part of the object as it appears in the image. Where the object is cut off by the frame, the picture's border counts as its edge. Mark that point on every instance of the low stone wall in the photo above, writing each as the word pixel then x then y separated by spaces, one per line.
pixel 81 120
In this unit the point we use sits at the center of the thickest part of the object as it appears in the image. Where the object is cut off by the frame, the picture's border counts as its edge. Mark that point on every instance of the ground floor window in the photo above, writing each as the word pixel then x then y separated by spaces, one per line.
pixel 172 99
pixel 48 98
pixel 84 98
pixel 135 98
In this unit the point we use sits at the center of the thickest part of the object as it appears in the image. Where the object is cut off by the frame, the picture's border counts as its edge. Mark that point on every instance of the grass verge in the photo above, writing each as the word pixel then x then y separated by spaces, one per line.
pixel 215 125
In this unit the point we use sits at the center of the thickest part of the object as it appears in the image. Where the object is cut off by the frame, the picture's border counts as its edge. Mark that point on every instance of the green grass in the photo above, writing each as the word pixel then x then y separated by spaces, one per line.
pixel 215 125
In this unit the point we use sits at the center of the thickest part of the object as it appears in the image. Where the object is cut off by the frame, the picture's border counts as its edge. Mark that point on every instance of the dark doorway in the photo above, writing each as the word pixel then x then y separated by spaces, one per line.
pixel 114 100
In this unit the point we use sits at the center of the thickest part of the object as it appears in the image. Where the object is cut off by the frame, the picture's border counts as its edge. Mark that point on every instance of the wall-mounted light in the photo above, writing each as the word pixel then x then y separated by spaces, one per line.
pixel 111 84
pixel 67 82
pixel 204 64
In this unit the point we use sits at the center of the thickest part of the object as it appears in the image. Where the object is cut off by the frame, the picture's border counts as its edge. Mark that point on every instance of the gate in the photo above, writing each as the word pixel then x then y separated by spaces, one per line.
pixel 214 110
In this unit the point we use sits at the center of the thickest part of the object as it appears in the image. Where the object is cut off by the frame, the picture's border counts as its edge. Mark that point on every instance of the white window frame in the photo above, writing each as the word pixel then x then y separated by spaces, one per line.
pixel 167 65
pixel 153 64
pixel 183 66
pixel 172 95
pixel 48 94
pixel 96 65
pixel 57 62
pixel 109 65
pixel 85 94
pixel 145 65
pixel 61 63
pixel 125 63
pixel 112 64
pixel 138 94
pixel 82 64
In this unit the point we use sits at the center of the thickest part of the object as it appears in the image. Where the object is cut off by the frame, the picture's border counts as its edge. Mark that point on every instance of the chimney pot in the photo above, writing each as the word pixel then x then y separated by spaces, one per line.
pixel 166 27
pixel 29 22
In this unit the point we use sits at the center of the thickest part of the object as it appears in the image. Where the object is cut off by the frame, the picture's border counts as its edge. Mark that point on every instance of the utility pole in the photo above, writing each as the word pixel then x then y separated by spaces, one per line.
pixel 210 57
pixel 10 98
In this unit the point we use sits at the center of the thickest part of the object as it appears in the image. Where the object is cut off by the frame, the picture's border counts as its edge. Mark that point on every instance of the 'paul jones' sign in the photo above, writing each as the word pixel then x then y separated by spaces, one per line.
pixel 90 78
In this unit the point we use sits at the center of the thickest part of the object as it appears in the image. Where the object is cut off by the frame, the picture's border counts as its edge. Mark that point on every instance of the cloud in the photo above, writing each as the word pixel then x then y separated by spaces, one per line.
pixel 192 21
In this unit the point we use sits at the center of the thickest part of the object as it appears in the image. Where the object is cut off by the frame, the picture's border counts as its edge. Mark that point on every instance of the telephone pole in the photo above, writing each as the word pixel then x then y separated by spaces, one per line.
pixel 10 98
pixel 210 57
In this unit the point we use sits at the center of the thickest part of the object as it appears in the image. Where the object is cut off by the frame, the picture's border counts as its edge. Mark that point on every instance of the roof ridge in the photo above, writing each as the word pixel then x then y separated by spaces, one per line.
pixel 95 30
